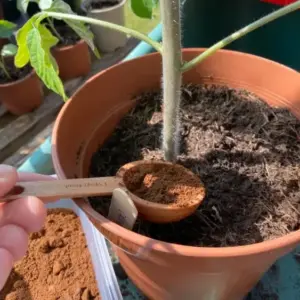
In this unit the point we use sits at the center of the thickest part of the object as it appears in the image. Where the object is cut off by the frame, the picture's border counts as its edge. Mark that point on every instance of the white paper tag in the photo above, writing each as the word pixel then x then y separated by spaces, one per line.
pixel 122 209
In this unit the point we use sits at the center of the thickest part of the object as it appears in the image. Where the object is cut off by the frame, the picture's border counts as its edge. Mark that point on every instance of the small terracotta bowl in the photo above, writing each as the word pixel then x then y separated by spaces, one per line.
pixel 157 212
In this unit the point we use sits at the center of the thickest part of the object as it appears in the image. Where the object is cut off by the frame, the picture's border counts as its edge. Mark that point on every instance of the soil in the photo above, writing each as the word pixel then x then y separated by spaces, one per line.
pixel 68 37
pixel 245 152
pixel 100 4
pixel 57 265
pixel 164 184
pixel 15 73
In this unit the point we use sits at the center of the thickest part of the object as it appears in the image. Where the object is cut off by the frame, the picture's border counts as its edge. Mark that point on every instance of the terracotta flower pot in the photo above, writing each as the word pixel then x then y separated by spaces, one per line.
pixel 163 270
pixel 22 96
pixel 73 61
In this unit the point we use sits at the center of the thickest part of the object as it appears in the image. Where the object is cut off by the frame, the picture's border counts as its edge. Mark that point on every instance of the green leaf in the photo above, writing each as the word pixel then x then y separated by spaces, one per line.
pixel 48 41
pixel 144 8
pixel 41 61
pixel 79 27
pixel 9 50
pixel 45 4
pixel 6 29
pixel 22 5
pixel 22 57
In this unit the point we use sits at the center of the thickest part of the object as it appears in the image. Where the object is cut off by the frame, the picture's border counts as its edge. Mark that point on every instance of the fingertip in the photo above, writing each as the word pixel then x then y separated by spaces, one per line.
pixel 7 262
pixel 28 213
pixel 8 178
pixel 38 211
pixel 14 239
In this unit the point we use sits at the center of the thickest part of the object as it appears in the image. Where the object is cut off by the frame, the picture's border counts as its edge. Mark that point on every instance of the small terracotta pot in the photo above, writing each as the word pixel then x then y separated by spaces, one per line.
pixel 73 61
pixel 22 96
pixel 163 270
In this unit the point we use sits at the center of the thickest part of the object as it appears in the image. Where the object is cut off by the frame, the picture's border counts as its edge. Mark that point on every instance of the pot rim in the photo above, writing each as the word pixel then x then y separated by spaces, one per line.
pixel 29 75
pixel 67 48
pixel 156 245
pixel 108 9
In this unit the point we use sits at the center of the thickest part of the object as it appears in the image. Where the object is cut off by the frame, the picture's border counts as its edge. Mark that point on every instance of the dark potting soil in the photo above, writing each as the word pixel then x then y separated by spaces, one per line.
pixel 99 4
pixel 15 73
pixel 68 36
pixel 245 152
pixel 165 184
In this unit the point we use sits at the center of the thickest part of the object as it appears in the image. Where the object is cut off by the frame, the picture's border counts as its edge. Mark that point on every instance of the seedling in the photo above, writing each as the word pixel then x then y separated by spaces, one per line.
pixel 9 50
pixel 35 41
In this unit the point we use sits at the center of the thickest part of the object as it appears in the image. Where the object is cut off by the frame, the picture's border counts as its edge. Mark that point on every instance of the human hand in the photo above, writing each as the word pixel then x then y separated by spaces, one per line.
pixel 17 219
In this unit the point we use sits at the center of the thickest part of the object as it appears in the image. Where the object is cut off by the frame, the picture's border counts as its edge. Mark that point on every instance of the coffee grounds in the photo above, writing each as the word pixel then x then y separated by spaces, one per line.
pixel 164 184
pixel 57 265
pixel 245 152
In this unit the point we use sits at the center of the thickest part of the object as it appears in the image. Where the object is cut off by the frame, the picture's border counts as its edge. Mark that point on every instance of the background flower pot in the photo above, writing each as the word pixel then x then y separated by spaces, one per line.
pixel 22 96
pixel 73 61
pixel 108 40
pixel 162 270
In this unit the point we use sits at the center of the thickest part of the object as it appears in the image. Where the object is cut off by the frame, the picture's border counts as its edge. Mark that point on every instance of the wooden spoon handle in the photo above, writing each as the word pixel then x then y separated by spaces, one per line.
pixel 68 188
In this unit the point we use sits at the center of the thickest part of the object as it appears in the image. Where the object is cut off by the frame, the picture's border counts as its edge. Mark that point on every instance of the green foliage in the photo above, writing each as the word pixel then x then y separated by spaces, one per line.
pixel 9 50
pixel 39 42
pixel 35 41
pixel 144 8
pixel 34 45
pixel 22 5
pixel 22 56
pixel 45 4
pixel 79 27
pixel 6 29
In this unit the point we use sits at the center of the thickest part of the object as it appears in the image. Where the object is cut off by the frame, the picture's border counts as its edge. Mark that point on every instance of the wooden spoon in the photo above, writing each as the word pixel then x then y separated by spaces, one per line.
pixel 68 188
pixel 104 186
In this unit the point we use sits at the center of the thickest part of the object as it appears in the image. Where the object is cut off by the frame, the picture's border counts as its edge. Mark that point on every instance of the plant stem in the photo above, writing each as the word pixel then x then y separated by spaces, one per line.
pixel 238 34
pixel 172 61
pixel 131 32
pixel 2 66
pixel 51 24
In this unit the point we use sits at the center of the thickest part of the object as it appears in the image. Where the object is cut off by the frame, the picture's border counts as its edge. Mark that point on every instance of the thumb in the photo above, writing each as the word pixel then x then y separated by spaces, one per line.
pixel 8 178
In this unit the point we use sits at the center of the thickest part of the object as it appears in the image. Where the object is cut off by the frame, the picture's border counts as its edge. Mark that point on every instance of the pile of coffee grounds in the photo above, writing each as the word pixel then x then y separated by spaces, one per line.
pixel 164 184
pixel 57 265
pixel 14 73
pixel 245 152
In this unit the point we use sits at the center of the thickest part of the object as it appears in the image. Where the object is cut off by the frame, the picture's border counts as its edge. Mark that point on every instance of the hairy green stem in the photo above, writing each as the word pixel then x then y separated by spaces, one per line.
pixel 172 61
pixel 2 66
pixel 238 34
pixel 51 24
pixel 131 32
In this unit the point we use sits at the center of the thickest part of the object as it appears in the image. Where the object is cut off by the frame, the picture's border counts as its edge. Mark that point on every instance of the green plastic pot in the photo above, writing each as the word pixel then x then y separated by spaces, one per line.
pixel 208 21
